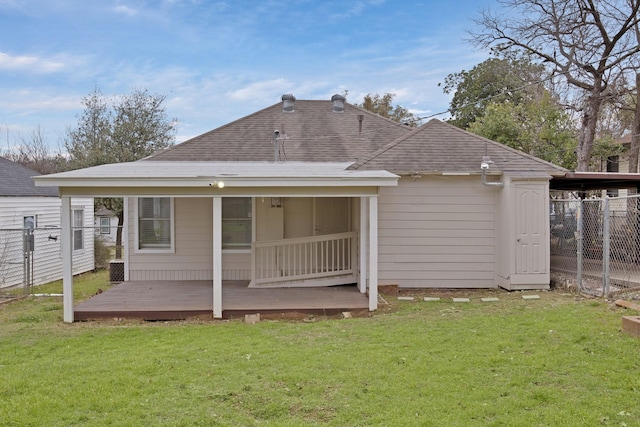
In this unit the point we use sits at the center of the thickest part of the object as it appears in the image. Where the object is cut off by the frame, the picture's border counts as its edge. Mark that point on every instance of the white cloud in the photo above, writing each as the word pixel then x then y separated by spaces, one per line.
pixel 27 100
pixel 125 10
pixel 30 63
pixel 261 90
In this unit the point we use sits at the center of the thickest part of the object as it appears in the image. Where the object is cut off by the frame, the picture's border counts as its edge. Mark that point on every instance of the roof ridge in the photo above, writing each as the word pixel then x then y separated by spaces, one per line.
pixel 390 145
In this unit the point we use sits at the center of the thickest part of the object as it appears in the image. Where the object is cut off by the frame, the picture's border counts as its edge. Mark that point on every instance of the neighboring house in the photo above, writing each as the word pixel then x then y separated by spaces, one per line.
pixel 618 164
pixel 105 222
pixel 30 219
pixel 316 193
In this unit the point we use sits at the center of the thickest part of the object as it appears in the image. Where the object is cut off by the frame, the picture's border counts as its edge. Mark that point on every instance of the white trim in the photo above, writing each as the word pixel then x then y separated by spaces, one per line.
pixel 82 227
pixel 363 232
pixel 125 237
pixel 217 257
pixel 242 248
pixel 66 245
pixel 233 174
pixel 136 237
pixel 177 192
pixel 102 227
pixel 373 253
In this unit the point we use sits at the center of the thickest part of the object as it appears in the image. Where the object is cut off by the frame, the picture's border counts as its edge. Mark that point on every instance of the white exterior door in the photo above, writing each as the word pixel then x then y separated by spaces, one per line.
pixel 531 230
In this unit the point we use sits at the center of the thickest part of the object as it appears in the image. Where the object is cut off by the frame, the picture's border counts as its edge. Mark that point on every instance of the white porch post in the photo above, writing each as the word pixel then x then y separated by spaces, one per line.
pixel 362 280
pixel 125 238
pixel 67 259
pixel 373 253
pixel 217 257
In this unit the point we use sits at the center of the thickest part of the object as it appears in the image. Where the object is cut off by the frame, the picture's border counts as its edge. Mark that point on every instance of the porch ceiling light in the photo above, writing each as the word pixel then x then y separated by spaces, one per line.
pixel 219 184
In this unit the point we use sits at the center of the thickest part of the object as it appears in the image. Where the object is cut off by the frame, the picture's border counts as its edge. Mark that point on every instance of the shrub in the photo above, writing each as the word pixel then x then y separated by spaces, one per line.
pixel 102 254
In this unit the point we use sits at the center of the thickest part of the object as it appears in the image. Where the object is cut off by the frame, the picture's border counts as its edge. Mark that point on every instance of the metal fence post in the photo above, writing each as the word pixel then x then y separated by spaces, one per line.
pixel 606 246
pixel 579 234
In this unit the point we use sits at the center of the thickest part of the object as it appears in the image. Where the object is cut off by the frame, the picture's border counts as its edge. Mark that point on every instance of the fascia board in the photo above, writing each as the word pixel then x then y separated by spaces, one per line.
pixel 232 182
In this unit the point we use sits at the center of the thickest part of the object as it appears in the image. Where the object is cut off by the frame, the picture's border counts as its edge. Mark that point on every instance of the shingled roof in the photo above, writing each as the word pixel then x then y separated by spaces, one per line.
pixel 440 147
pixel 314 132
pixel 15 181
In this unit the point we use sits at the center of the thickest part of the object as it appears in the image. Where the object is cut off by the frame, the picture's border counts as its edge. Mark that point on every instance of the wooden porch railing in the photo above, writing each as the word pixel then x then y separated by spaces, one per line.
pixel 314 261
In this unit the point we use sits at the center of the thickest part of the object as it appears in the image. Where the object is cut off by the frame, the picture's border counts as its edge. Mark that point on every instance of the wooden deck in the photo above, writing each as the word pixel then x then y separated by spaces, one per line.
pixel 173 300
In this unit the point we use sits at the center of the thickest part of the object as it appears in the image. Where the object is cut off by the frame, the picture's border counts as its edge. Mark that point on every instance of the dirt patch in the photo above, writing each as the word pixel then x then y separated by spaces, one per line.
pixel 7 299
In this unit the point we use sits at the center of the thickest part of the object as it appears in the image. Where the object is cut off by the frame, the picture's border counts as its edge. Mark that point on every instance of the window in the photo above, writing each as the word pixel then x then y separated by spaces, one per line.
pixel 105 225
pixel 236 223
pixel 154 223
pixel 78 230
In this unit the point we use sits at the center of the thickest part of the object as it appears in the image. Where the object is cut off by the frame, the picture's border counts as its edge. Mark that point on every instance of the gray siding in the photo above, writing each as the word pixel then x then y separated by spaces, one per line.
pixel 437 232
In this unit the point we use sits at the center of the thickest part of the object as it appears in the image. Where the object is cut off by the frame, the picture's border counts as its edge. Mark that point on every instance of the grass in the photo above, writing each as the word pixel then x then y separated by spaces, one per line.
pixel 560 360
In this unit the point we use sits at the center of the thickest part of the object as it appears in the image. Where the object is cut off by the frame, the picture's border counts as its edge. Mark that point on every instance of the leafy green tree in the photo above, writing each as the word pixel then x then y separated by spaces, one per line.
pixel 89 142
pixel 538 127
pixel 383 106
pixel 492 81
pixel 117 130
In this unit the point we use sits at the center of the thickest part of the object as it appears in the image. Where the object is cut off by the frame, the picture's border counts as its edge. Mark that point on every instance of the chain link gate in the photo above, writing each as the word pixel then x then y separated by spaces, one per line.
pixel 18 255
pixel 595 245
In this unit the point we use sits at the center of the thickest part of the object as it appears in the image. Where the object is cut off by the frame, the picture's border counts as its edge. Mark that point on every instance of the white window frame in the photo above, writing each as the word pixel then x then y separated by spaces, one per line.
pixel 103 227
pixel 172 227
pixel 247 249
pixel 75 209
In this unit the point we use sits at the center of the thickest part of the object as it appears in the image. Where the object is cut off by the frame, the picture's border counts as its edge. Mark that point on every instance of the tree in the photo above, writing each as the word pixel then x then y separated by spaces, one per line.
pixel 635 130
pixel 89 142
pixel 495 80
pixel 589 44
pixel 117 130
pixel 538 127
pixel 34 153
pixel 382 105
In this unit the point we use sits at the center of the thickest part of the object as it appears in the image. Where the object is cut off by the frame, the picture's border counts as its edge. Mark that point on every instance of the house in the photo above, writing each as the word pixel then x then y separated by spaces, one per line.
pixel 320 193
pixel 30 229
pixel 105 223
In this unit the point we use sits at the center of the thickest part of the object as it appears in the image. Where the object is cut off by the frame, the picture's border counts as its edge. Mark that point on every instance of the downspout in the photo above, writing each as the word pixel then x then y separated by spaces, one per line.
pixel 484 165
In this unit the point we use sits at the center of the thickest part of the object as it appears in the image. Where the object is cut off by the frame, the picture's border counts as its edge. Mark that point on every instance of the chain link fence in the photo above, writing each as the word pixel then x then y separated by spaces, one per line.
pixel 595 245
pixel 30 258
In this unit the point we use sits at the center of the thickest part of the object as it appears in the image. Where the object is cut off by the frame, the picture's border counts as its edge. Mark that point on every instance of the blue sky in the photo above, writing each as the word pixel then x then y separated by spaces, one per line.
pixel 217 61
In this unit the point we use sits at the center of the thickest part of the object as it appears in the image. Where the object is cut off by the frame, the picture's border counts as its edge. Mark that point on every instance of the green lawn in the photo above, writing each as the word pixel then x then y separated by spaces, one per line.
pixel 557 361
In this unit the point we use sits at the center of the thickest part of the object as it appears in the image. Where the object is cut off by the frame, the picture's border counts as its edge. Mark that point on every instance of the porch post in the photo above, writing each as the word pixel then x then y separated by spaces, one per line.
pixel 125 238
pixel 373 253
pixel 67 259
pixel 217 257
pixel 362 279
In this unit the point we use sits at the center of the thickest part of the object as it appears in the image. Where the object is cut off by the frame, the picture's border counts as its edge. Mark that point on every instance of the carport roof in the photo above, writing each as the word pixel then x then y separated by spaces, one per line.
pixel 586 181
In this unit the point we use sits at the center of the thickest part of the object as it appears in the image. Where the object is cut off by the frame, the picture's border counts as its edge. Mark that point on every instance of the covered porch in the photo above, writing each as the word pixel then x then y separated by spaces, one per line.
pixel 174 300
pixel 287 265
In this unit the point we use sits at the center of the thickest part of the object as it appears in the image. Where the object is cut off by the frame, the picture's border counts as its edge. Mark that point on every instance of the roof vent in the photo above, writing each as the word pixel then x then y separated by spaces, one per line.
pixel 338 103
pixel 288 103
